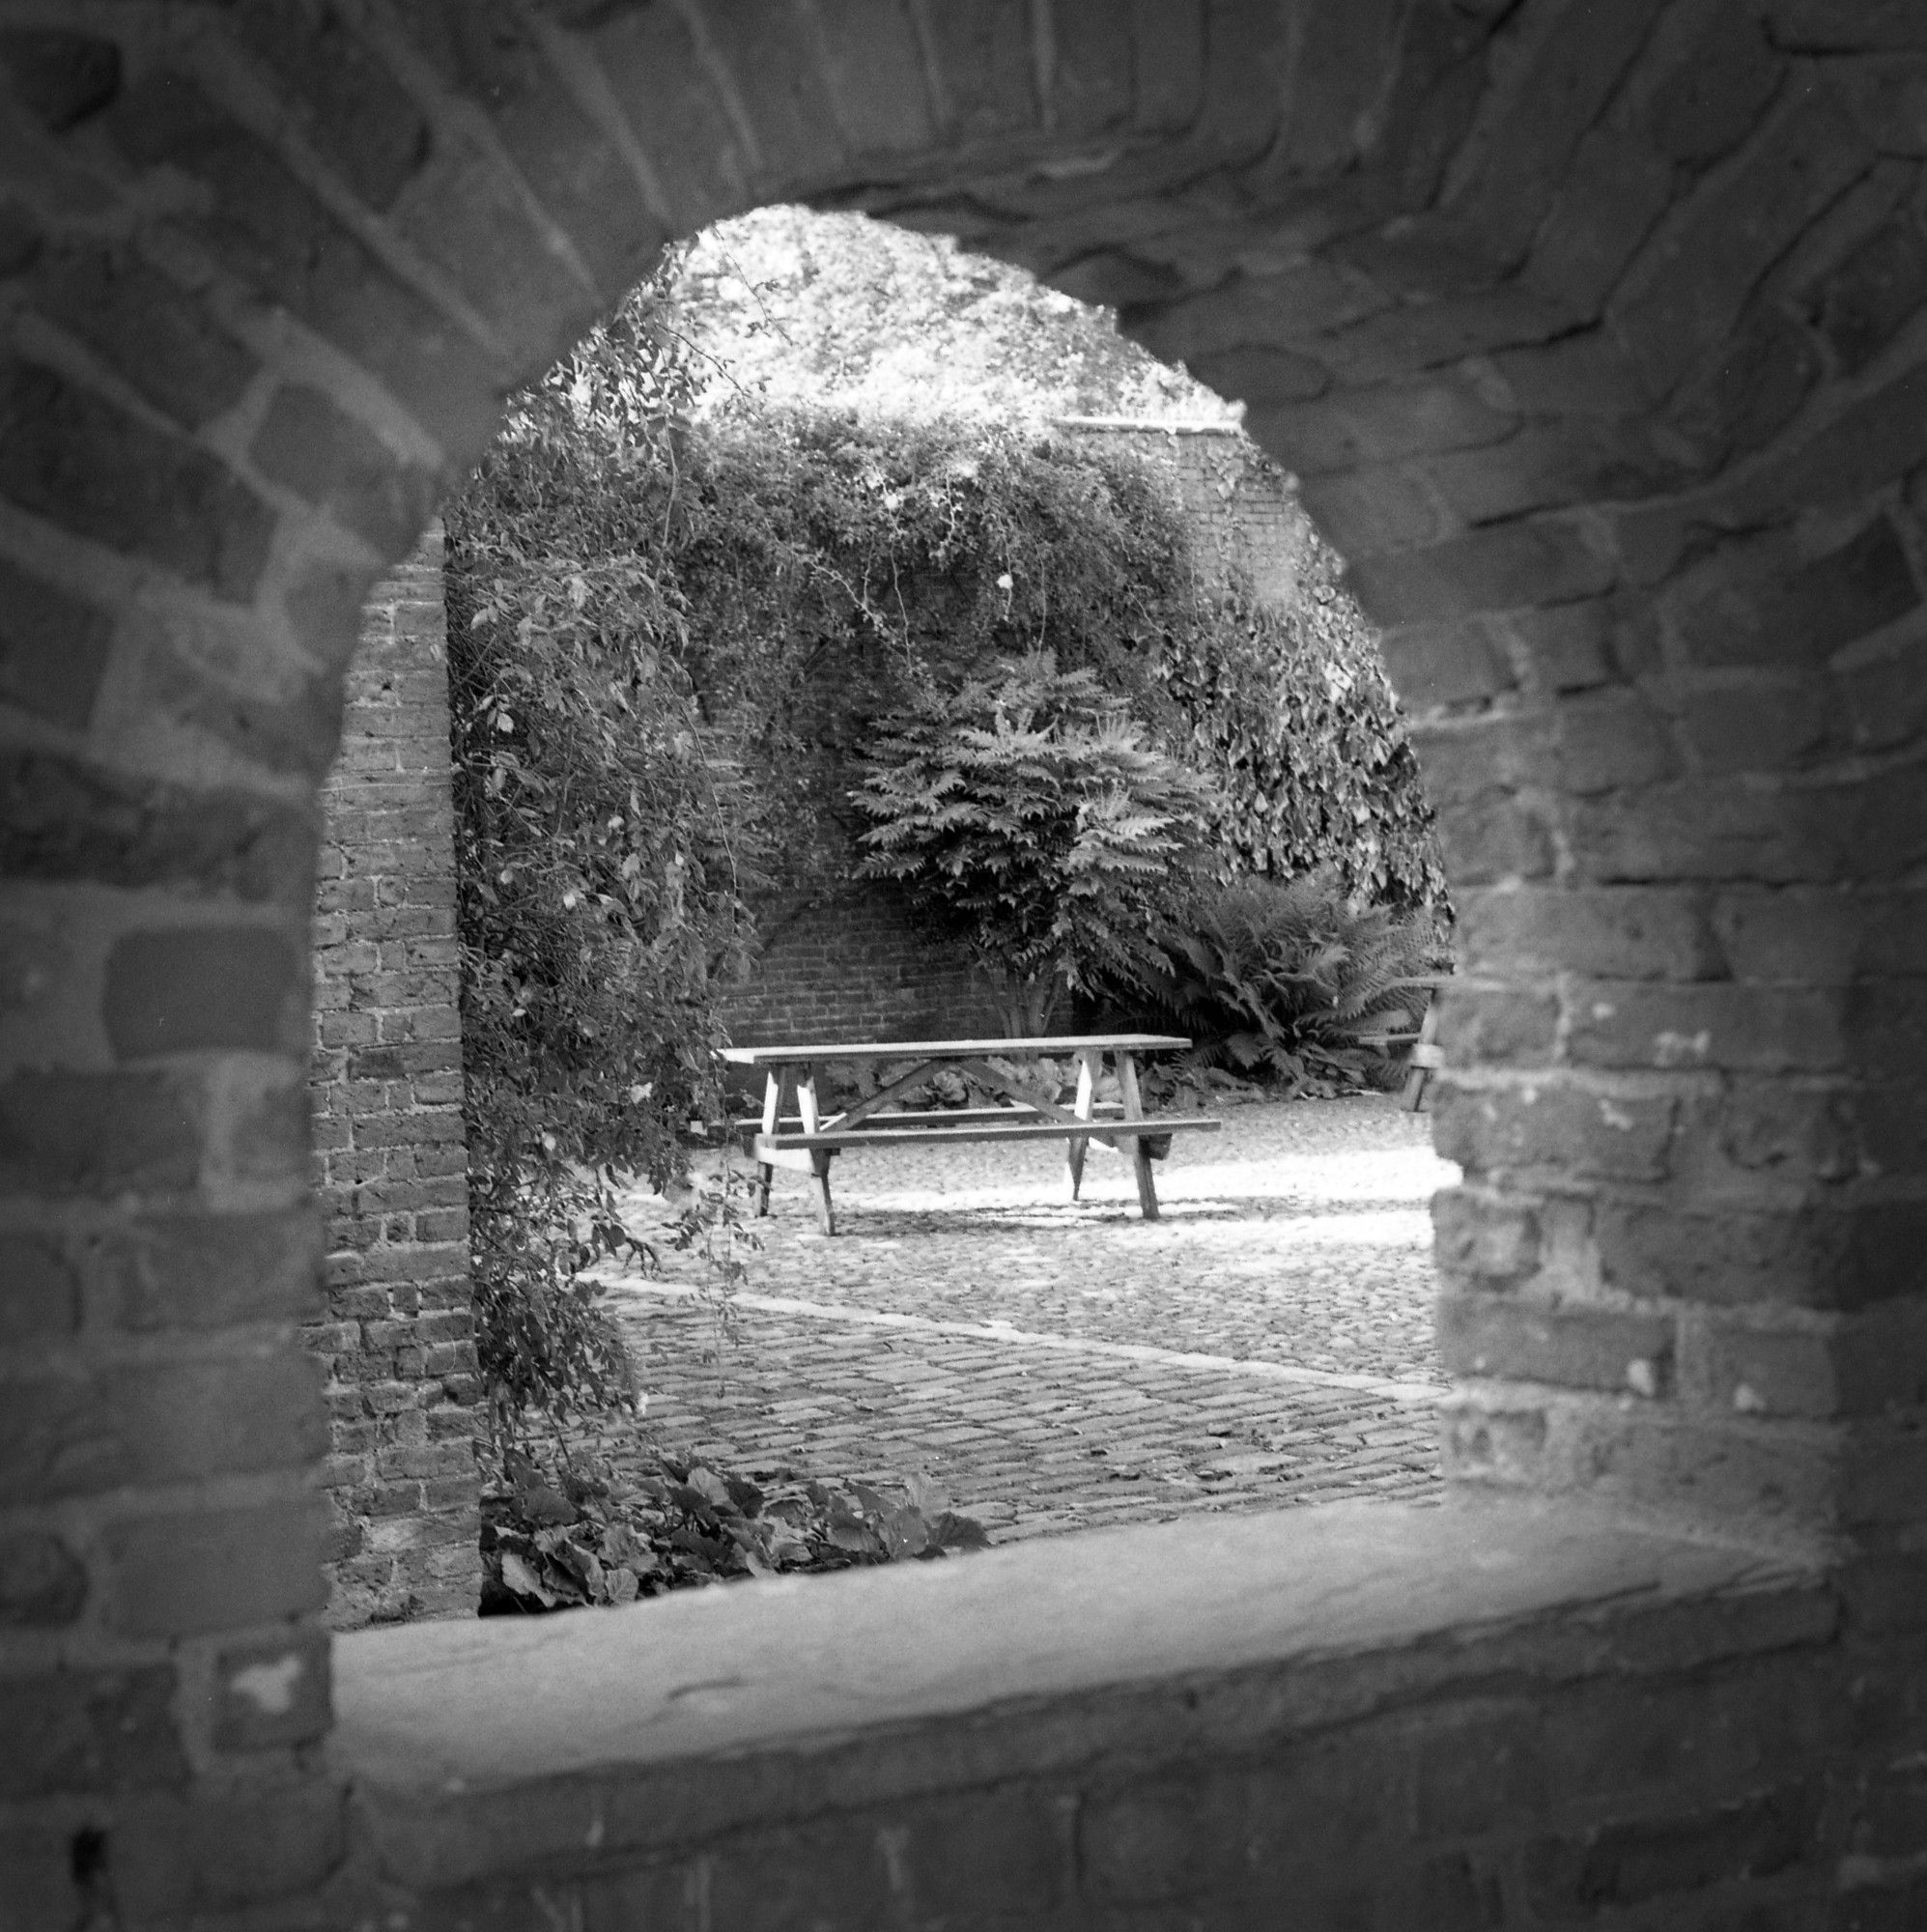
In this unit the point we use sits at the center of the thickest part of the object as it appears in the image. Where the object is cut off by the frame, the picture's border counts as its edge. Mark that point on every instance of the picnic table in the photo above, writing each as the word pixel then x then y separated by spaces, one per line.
pixel 806 1139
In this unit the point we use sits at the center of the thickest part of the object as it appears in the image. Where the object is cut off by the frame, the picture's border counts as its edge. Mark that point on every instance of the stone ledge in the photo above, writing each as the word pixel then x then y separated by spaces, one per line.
pixel 479 1750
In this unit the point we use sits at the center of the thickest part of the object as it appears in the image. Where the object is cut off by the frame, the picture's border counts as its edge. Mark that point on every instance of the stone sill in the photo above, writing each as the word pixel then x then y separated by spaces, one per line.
pixel 481 1749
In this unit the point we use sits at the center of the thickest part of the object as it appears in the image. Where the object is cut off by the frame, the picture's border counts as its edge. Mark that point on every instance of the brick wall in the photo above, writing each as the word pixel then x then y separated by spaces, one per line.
pixel 390 1160
pixel 858 969
pixel 1597 337
pixel 1240 505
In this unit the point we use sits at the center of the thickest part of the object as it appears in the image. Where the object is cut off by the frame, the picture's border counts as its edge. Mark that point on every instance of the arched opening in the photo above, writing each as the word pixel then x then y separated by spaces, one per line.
pixel 1593 337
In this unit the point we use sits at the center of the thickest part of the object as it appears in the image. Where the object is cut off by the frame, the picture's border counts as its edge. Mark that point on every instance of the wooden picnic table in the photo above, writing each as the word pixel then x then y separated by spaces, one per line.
pixel 806 1139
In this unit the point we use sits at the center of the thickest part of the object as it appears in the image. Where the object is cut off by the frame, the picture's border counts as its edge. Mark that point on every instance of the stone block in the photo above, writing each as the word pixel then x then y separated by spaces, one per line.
pixel 1717 93
pixel 42 1298
pixel 1486 1239
pixel 1751 1029
pixel 1716 830
pixel 82 463
pixel 1864 301
pixel 1488 1026
pixel 1569 1344
pixel 1537 561
pixel 1758 727
pixel 1615 738
pixel 1695 275
pixel 146 329
pixel 60 77
pixel 53 649
pixel 43 1583
pixel 344 101
pixel 178 1573
pixel 108 1134
pixel 1758 606
pixel 212 1852
pixel 201 988
pixel 1554 1126
pixel 1621 932
pixel 89 1731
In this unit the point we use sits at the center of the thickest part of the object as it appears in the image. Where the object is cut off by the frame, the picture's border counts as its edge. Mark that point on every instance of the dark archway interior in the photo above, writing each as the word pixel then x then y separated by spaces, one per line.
pixel 1596 335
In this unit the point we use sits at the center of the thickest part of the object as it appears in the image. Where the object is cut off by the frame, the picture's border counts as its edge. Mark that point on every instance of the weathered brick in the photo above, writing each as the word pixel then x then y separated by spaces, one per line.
pixel 1696 274
pixel 344 101
pixel 41 1583
pixel 53 648
pixel 1610 1135
pixel 1627 1865
pixel 81 1731
pixel 1624 933
pixel 1717 94
pixel 84 464
pixel 63 77
pixel 62 819
pixel 41 1301
pixel 310 445
pixel 1760 607
pixel 1864 301
pixel 1569 1344
pixel 1613 738
pixel 1640 1023
pixel 1485 1237
pixel 175 1573
pixel 100 1133
pixel 72 1433
pixel 199 988
pixel 207 1853
pixel 272 1691
pixel 1493 1027
pixel 148 331
pixel 1537 561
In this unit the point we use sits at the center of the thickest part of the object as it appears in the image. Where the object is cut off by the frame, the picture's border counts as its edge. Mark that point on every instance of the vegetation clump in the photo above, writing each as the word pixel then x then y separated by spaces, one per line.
pixel 1026 817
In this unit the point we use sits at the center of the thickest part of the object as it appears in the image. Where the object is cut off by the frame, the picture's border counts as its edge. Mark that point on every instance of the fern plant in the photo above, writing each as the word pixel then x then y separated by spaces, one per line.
pixel 1293 983
pixel 1026 817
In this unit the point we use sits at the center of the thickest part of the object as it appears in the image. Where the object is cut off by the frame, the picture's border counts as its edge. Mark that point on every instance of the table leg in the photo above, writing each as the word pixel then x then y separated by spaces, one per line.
pixel 774 1083
pixel 1134 1110
pixel 1087 1099
pixel 819 1158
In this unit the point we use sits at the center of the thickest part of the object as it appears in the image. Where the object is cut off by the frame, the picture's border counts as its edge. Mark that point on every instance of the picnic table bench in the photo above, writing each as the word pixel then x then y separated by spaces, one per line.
pixel 806 1139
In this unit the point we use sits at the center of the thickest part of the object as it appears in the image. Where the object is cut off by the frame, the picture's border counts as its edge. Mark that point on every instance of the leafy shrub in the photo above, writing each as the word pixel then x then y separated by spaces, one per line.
pixel 599 1535
pixel 1291 712
pixel 1025 818
pixel 599 865
pixel 1293 983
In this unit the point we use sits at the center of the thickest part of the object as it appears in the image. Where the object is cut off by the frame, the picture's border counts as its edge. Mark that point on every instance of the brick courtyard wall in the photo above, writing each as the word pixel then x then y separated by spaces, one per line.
pixel 856 967
pixel 1597 336
pixel 390 1160
pixel 1240 509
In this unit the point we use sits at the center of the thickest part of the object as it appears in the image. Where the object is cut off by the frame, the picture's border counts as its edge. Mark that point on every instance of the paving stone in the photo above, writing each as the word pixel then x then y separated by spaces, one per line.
pixel 1061 1365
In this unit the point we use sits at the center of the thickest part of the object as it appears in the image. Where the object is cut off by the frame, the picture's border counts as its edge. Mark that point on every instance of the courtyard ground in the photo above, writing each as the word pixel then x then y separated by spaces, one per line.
pixel 1059 1366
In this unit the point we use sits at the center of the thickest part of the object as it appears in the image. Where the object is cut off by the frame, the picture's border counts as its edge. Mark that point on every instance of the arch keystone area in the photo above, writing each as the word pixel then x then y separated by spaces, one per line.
pixel 1595 337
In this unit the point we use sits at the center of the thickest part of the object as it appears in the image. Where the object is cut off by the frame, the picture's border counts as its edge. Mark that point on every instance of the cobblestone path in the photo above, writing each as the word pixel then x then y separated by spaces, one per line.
pixel 1062 1366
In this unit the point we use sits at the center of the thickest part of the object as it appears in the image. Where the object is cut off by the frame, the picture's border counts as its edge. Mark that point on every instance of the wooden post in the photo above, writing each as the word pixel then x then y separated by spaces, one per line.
pixel 819 1158
pixel 774 1083
pixel 1134 1110
pixel 1086 1100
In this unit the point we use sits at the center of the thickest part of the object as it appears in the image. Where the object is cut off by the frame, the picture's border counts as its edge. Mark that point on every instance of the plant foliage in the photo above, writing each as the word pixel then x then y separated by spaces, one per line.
pixel 1026 817
pixel 1293 982
pixel 604 1534
pixel 598 862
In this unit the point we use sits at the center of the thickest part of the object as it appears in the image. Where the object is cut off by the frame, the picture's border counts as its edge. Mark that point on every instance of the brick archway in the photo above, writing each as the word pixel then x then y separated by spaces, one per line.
pixel 1595 334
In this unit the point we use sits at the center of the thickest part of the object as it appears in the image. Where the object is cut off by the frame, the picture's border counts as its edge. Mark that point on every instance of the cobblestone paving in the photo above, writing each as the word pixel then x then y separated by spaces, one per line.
pixel 1062 1366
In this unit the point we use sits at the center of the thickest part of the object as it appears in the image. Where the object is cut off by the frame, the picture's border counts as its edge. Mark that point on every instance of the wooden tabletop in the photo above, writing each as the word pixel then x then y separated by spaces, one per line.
pixel 953 1049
